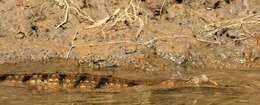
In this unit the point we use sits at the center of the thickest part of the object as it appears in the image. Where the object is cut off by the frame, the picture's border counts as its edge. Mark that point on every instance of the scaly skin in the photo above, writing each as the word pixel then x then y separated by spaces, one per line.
pixel 85 81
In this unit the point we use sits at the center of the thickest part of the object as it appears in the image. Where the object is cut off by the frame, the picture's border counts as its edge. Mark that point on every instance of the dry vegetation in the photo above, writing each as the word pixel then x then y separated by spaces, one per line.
pixel 130 14
pixel 179 31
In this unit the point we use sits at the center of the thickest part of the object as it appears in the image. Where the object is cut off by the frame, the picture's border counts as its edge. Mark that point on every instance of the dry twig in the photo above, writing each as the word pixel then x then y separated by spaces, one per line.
pixel 129 14
pixel 72 45
pixel 68 7
pixel 161 9
pixel 66 14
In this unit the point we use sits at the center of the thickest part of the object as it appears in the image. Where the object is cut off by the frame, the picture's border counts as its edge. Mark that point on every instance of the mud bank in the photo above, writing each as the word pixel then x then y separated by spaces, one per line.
pixel 151 35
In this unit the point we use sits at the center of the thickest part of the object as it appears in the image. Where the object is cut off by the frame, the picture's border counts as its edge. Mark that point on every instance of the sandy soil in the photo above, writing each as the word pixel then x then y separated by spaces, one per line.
pixel 152 35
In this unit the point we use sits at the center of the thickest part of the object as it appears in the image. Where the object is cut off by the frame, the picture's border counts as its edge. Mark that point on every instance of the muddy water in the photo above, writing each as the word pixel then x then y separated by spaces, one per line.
pixel 236 87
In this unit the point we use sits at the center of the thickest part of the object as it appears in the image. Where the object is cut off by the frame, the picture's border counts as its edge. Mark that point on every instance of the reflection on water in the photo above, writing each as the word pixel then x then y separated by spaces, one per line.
pixel 179 96
pixel 236 88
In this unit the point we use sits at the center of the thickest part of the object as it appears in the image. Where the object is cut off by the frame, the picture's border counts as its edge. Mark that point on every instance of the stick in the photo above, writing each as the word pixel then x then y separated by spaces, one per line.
pixel 66 14
pixel 161 9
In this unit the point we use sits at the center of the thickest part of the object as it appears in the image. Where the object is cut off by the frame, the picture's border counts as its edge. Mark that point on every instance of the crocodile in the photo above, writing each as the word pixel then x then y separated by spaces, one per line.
pixel 86 81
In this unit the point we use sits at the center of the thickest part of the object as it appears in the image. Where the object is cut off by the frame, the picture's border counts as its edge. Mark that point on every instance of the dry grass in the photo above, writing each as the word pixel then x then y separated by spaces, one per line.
pixel 238 24
pixel 120 15
pixel 67 4
pixel 161 9
pixel 232 24
pixel 129 14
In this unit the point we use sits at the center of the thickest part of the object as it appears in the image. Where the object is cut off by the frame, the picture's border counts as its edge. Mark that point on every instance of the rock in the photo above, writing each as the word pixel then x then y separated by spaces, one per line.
pixel 20 35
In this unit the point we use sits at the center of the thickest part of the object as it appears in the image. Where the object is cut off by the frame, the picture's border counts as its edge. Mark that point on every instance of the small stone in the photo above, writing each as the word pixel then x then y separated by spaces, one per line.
pixel 20 35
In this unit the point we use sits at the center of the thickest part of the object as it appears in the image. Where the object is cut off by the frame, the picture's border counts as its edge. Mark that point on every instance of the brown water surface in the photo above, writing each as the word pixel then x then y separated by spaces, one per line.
pixel 236 87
